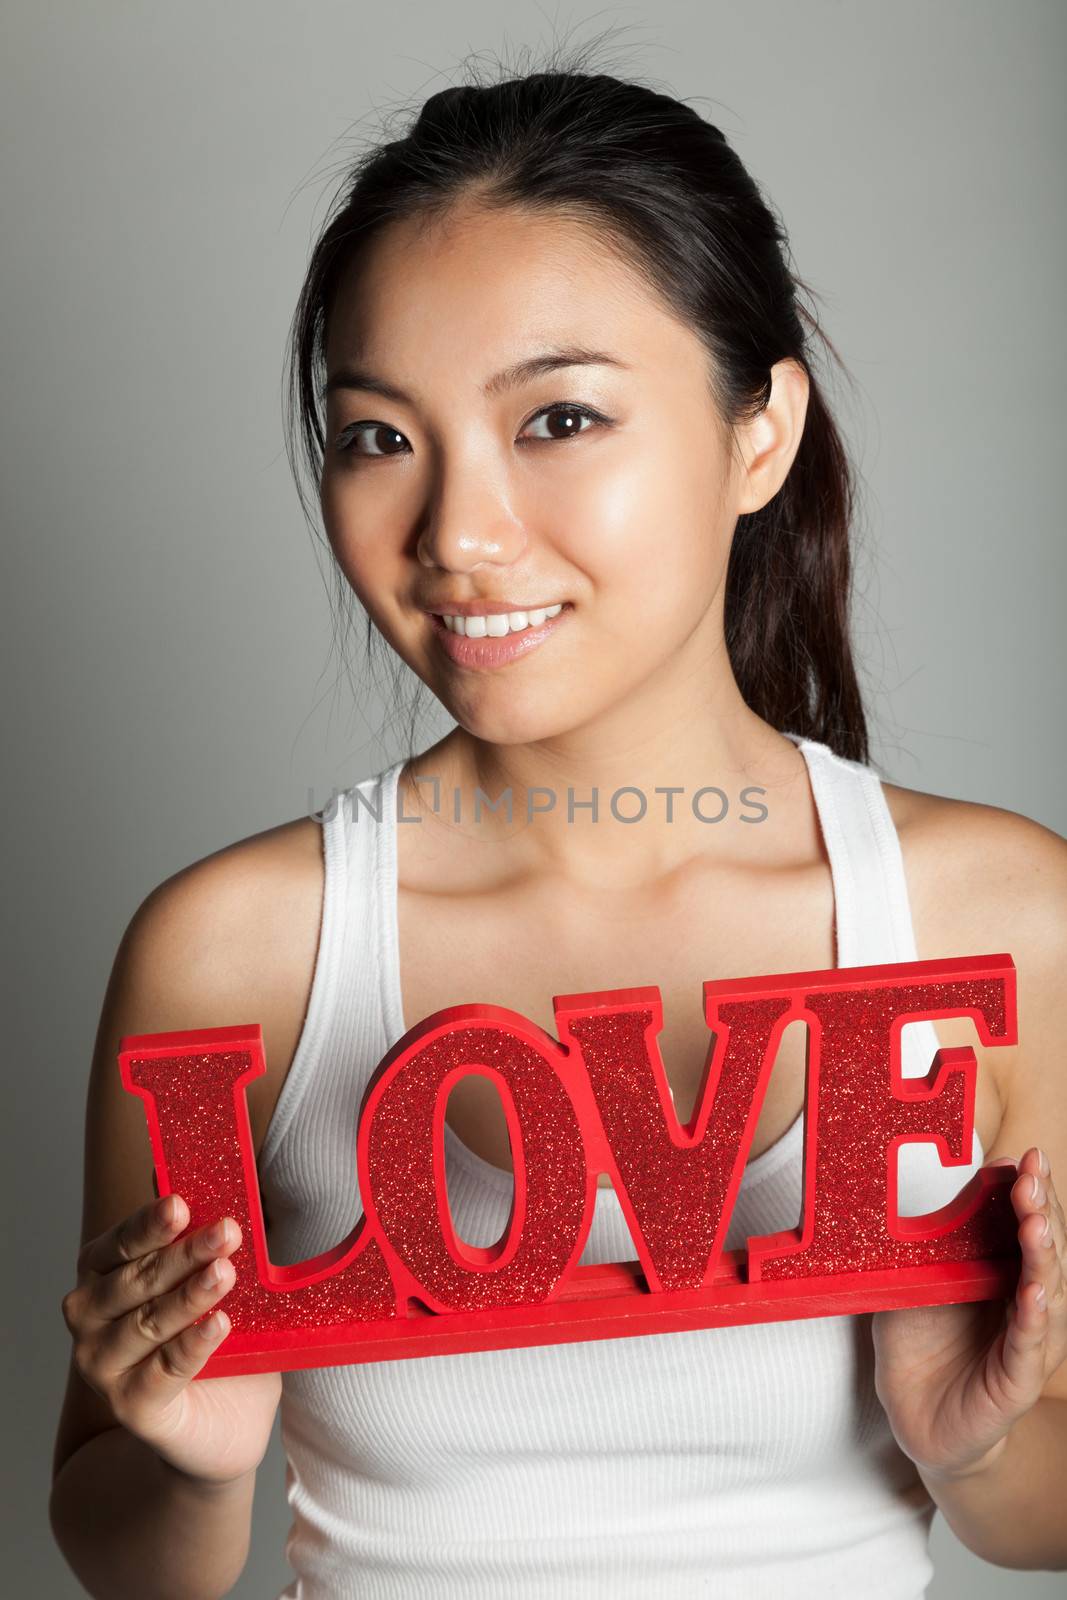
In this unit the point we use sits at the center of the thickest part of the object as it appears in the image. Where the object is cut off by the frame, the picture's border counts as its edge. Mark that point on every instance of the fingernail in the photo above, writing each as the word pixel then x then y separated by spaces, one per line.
pixel 216 1236
pixel 1046 1237
pixel 1037 1190
pixel 1040 1296
pixel 166 1210
pixel 1043 1160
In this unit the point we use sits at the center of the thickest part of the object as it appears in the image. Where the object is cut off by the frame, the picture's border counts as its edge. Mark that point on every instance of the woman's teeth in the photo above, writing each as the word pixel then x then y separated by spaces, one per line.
pixel 502 622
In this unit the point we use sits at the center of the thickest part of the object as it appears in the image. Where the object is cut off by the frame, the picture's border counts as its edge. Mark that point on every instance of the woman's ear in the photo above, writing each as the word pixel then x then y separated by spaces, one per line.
pixel 770 441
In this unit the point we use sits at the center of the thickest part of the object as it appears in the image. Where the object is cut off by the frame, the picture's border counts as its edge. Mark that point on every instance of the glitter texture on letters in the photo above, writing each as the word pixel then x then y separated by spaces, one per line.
pixel 677 1197
pixel 553 1201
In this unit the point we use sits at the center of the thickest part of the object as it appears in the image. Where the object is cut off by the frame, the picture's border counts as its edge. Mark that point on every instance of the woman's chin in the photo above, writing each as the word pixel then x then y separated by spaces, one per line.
pixel 508 723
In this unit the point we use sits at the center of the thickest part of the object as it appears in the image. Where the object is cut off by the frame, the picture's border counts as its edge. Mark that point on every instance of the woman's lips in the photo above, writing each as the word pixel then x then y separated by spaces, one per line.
pixel 489 652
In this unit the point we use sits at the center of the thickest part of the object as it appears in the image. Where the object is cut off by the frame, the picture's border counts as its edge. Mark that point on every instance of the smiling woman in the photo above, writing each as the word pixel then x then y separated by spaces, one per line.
pixel 556 388
pixel 621 509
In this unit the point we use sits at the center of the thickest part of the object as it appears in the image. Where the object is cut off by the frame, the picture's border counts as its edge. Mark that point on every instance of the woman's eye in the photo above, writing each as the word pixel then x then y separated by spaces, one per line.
pixel 564 420
pixel 386 441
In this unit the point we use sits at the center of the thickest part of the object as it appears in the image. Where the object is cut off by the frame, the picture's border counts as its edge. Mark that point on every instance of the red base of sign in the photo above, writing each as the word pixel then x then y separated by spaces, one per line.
pixel 612 1301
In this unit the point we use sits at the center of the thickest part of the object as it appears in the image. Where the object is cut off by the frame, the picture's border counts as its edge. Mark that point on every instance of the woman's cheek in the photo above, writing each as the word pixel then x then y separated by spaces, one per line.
pixel 369 556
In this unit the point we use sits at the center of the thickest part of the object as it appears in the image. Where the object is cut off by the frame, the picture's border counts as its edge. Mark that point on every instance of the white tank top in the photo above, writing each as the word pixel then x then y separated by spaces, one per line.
pixel 752 1460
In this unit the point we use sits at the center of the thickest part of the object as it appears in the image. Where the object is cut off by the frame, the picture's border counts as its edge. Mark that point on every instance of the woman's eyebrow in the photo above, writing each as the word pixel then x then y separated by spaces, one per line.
pixel 352 377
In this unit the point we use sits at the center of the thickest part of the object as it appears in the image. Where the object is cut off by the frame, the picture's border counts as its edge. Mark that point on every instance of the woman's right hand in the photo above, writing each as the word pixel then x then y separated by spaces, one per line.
pixel 137 1342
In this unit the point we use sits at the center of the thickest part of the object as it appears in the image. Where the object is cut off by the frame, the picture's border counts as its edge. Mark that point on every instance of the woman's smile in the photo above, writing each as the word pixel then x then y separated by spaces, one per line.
pixel 489 645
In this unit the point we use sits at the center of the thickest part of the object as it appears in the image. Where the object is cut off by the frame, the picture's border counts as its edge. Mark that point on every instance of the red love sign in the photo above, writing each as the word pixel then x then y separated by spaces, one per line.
pixel 597 1099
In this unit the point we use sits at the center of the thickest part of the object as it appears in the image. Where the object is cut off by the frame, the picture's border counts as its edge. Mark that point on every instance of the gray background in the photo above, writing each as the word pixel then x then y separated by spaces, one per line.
pixel 170 678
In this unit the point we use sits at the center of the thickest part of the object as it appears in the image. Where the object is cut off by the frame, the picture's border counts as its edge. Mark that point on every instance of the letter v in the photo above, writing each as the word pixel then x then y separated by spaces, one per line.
pixel 676 1187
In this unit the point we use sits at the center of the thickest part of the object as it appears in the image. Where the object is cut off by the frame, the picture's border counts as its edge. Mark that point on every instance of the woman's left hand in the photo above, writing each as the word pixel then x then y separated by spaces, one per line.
pixel 954 1378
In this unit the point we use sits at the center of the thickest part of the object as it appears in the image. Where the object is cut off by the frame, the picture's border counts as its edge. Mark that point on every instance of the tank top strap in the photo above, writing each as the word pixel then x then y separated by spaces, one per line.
pixel 872 905
pixel 342 1017
pixel 873 912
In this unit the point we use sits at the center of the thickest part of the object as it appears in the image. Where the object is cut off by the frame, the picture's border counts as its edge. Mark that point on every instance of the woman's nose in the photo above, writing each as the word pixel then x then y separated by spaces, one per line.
pixel 469 525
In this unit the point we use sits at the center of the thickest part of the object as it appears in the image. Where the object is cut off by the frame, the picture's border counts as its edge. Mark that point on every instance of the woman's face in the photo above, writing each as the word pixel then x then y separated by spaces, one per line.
pixel 603 485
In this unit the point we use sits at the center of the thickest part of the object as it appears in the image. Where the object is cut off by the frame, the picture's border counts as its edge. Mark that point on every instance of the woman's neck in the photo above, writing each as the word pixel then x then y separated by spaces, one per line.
pixel 689 788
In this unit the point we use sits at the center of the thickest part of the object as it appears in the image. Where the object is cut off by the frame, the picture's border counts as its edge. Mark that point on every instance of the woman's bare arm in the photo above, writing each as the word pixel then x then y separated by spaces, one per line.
pixel 230 940
pixel 985 880
pixel 129 1525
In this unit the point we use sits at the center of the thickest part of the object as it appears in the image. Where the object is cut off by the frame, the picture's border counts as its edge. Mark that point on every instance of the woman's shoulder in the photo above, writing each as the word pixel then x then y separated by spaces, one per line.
pixel 232 938
pixel 258 893
pixel 985 880
pixel 984 863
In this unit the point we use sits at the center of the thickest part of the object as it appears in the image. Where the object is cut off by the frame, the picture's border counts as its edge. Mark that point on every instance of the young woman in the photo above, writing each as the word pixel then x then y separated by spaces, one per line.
pixel 552 374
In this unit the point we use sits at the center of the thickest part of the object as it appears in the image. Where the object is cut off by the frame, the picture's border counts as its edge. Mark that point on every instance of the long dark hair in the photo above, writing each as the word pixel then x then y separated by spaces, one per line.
pixel 673 194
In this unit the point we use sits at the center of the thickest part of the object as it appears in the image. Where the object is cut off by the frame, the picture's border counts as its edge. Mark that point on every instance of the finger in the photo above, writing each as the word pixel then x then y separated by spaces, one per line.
pixel 155 1274
pixel 1043 1258
pixel 147 1229
pixel 155 1322
pixel 1034 1196
pixel 1020 1355
pixel 163 1374
pixel 1059 1221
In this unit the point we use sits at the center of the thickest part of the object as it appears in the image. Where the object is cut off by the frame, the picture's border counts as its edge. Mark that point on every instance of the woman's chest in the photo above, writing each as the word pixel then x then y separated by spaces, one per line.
pixel 477 950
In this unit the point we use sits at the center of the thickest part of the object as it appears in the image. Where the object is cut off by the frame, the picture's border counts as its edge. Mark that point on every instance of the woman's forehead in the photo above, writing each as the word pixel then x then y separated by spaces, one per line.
pixel 496 289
